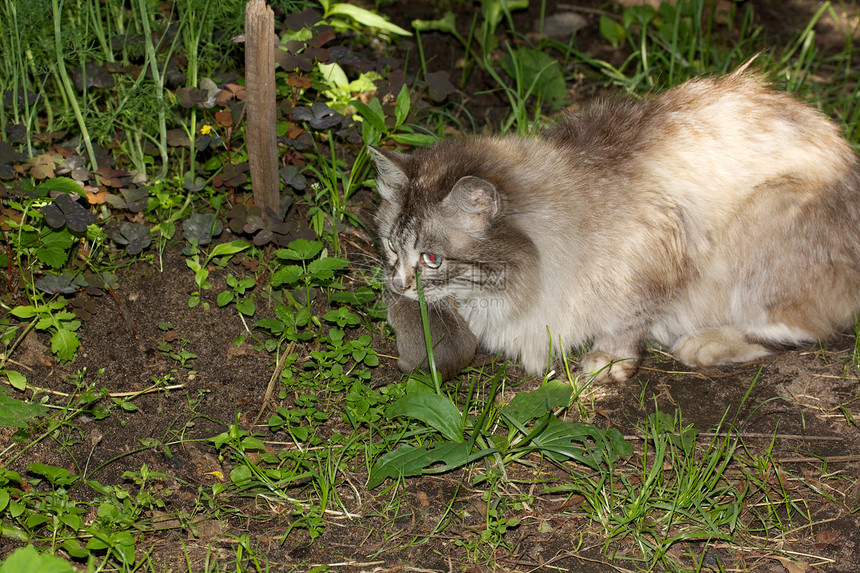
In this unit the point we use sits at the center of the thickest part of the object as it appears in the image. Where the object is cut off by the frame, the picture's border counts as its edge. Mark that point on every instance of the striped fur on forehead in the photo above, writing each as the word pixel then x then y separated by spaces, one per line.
pixel 435 170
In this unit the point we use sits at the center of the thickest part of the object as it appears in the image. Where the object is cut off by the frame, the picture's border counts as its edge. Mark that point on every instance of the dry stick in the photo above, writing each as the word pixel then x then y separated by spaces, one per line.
pixel 261 134
pixel 110 395
pixel 18 364
pixel 275 375
pixel 827 459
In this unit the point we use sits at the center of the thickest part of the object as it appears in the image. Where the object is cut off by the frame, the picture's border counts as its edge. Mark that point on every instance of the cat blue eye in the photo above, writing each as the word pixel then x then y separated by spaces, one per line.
pixel 432 260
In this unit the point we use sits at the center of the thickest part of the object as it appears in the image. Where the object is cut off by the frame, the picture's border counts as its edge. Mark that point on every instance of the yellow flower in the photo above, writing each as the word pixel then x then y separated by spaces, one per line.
pixel 205 130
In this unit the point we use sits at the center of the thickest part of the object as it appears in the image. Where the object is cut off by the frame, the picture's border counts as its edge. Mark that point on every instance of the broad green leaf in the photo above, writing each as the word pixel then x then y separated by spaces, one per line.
pixel 224 298
pixel 333 75
pixel 446 24
pixel 638 15
pixel 531 405
pixel 273 325
pixel 287 275
pixel 323 268
pixel 541 75
pixel 54 474
pixel 251 443
pixel 57 184
pixel 359 296
pixel 303 316
pixel 246 307
pixel 74 549
pixel 613 31
pixel 54 248
pixel 123 546
pixel 454 455
pixel 230 248
pixel 409 461
pixel 369 134
pixel 434 410
pixel 29 560
pixel 493 10
pixel 414 139
pixel 25 311
pixel 73 521
pixel 300 250
pixel 374 117
pixel 241 475
pixel 405 461
pixel 65 343
pixel 342 317
pixel 366 18
pixel 18 414
pixel 17 380
pixel 401 109
pixel 35 520
pixel 581 442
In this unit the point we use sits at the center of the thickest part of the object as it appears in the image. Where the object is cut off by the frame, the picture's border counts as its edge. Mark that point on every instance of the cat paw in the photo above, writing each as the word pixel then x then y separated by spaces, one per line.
pixel 605 367
pixel 716 346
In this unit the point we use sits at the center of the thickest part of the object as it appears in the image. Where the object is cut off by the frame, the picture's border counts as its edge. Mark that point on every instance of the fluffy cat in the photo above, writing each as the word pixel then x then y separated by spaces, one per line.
pixel 720 218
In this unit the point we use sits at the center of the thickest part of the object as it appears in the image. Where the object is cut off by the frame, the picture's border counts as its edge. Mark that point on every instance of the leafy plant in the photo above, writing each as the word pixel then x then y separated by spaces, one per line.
pixel 530 419
pixel 343 14
pixel 315 269
pixel 29 560
pixel 531 423
pixel 62 324
pixel 245 306
pixel 201 270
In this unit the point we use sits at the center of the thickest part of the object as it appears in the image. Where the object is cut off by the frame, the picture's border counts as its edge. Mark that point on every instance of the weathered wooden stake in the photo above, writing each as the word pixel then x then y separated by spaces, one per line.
pixel 261 135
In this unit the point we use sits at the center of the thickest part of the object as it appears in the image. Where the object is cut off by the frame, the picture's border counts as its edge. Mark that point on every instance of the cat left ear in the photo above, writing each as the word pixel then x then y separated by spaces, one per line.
pixel 391 169
pixel 476 201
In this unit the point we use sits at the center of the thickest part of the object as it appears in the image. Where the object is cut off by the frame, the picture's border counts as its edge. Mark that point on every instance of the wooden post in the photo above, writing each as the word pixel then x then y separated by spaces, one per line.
pixel 261 134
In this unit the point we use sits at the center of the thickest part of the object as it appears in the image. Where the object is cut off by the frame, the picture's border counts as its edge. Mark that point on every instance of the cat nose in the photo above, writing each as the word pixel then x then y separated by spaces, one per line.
pixel 399 281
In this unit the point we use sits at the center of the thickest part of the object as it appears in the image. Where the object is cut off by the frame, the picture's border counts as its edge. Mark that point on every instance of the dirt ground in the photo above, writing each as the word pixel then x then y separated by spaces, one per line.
pixel 796 397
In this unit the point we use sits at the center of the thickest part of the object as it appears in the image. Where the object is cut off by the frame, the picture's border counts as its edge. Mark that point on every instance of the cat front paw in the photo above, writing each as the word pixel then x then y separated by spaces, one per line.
pixel 715 346
pixel 605 367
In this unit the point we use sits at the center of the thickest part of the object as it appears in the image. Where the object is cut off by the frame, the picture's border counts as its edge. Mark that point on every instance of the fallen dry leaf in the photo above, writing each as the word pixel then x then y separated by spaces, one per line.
pixel 95 195
pixel 794 566
pixel 826 537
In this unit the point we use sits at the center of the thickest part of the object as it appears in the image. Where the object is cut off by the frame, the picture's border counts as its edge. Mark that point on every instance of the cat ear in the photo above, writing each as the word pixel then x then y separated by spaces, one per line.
pixel 391 169
pixel 474 201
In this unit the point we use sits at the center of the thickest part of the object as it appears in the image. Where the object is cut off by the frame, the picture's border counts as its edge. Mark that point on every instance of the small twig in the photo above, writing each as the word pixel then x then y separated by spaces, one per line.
pixel 365 564
pixel 37 389
pixel 835 377
pixel 16 363
pixel 780 436
pixel 827 459
pixel 147 391
pixel 358 247
pixel 275 375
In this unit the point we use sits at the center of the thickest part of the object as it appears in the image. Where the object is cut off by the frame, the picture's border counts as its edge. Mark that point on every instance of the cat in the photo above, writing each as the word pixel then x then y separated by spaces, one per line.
pixel 720 219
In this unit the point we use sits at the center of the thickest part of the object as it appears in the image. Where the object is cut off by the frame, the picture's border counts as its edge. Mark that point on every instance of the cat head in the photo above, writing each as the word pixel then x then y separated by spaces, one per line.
pixel 441 216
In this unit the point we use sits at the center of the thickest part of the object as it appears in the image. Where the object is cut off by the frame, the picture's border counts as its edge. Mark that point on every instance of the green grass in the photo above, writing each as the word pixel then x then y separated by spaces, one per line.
pixel 666 498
